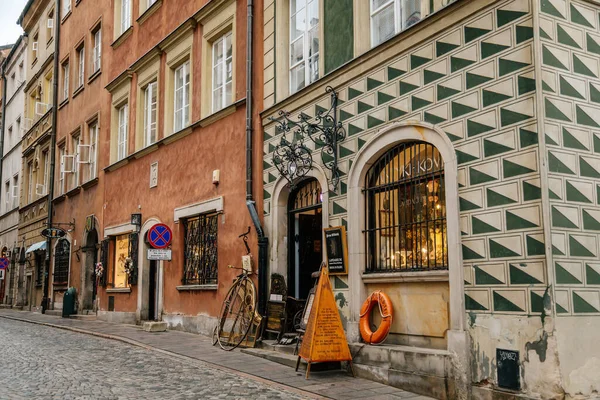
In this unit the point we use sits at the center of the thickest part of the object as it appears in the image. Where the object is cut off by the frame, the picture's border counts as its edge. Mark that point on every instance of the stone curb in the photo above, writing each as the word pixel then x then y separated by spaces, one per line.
pixel 183 357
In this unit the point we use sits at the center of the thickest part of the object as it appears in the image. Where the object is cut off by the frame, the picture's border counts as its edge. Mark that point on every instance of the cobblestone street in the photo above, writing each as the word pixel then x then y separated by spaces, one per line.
pixel 39 362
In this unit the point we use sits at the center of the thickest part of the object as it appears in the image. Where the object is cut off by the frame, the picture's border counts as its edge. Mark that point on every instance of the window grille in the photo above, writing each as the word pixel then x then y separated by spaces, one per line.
pixel 200 252
pixel 62 256
pixel 406 210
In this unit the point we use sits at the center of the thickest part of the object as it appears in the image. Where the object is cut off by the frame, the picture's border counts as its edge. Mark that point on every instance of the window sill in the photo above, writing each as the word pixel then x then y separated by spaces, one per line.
pixel 119 290
pixel 78 90
pixel 122 37
pixel 34 61
pixel 90 183
pixel 59 286
pixel 117 165
pixel 64 18
pixel 49 42
pixel 416 276
pixel 149 11
pixel 190 288
pixel 59 198
pixel 217 115
pixel 94 76
pixel 63 103
pixel 74 191
pixel 146 150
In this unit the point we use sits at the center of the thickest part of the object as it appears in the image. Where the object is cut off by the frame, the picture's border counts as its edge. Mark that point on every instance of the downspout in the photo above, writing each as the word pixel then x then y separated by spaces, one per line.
pixel 4 83
pixel 263 241
pixel 52 155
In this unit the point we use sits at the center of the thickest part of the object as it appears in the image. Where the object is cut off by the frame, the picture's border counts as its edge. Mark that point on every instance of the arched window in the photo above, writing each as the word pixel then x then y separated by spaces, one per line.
pixel 62 257
pixel 406 210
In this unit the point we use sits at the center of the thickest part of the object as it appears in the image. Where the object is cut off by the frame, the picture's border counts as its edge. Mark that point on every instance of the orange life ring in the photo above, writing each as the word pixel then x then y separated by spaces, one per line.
pixel 386 311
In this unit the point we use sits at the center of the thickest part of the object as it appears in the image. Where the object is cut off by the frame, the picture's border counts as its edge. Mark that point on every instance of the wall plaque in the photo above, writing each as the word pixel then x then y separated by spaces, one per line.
pixel 509 373
pixel 336 250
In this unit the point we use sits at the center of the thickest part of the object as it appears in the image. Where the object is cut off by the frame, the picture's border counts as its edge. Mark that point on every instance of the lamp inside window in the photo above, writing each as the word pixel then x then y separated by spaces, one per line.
pixel 406 210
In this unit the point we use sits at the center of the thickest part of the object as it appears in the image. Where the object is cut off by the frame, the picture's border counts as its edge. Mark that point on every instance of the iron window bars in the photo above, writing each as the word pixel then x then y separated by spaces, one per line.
pixel 405 210
pixel 292 158
pixel 61 262
pixel 200 251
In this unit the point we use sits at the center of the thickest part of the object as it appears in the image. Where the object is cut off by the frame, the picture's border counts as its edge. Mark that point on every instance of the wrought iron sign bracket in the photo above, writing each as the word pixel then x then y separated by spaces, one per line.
pixel 292 158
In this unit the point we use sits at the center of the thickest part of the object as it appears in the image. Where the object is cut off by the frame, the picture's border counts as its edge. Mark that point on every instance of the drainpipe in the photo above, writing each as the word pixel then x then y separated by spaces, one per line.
pixel 263 241
pixel 46 276
pixel 3 116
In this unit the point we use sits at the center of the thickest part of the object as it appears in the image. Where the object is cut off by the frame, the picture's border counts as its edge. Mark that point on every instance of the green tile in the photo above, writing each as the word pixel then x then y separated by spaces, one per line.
pixel 471 304
pixel 564 38
pixel 514 222
pixel 483 278
pixel 537 302
pixel 560 221
pixel 497 199
pixel 489 49
pixel 592 45
pixel 442 48
pixel 506 67
pixel 582 306
pixel 480 226
pixel 373 83
pixel 394 73
pixel 445 92
pixel 457 63
pixel 473 33
pixel 581 68
pixel 564 277
pixel 548 8
pixel 525 85
pixel 499 251
pixel 589 223
pixel 531 192
pixel 417 61
pixel 527 137
pixel 591 276
pixel 549 59
pixel 584 119
pixel 576 249
pixel 553 112
pixel 567 89
pixel 524 33
pixel 518 276
pixel 579 19
pixel 489 98
pixel 501 303
pixel 575 195
pixel 507 16
pixel 535 247
pixel 476 80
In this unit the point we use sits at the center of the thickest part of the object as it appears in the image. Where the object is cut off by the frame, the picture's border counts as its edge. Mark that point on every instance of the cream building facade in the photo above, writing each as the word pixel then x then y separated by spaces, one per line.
pixel 467 180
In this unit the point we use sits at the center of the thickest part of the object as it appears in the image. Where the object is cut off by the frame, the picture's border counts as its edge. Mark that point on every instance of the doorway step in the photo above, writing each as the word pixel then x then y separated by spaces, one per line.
pixel 154 326
pixel 86 315
pixel 284 354
pixel 416 369
pixel 56 313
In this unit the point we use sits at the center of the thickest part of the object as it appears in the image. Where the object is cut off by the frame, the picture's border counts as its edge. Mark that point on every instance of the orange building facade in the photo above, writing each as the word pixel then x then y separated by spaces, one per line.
pixel 152 129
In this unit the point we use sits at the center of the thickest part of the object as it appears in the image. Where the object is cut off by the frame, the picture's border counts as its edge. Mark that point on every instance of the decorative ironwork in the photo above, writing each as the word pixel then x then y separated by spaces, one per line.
pixel 292 158
pixel 132 275
pixel 104 251
pixel 62 257
pixel 200 251
pixel 405 210
pixel 307 195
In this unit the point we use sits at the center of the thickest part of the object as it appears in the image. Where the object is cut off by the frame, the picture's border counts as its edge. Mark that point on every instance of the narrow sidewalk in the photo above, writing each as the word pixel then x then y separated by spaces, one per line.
pixel 331 384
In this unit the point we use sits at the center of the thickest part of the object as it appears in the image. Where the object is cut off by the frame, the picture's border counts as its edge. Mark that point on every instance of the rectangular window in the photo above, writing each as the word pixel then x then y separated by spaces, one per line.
pixel 97 52
pixel 389 17
pixel 61 175
pixel 222 73
pixel 66 7
pixel 18 129
pixel 93 150
pixel 30 182
pixel 182 96
pixel 50 26
pixel 14 191
pixel 75 142
pixel 47 91
pixel 121 254
pixel 7 192
pixel 65 72
pixel 81 65
pixel 34 48
pixel 200 250
pixel 21 73
pixel 150 94
pixel 304 43
pixel 46 158
pixel 123 127
pixel 125 15
pixel 10 131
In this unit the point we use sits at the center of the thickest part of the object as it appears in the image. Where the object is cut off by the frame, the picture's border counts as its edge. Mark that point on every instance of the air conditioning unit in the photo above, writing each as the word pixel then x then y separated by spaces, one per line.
pixel 67 164
pixel 40 189
pixel 84 156
pixel 50 23
pixel 40 108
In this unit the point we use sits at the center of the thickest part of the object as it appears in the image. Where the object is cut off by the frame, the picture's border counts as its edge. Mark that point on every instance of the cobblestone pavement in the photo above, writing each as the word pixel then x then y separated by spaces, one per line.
pixel 39 362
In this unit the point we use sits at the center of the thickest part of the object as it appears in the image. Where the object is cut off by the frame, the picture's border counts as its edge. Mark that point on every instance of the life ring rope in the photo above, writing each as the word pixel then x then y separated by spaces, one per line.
pixel 383 301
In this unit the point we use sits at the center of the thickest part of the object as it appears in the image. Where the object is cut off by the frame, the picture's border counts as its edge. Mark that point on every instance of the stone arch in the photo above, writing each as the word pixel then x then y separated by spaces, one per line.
pixel 278 223
pixel 381 142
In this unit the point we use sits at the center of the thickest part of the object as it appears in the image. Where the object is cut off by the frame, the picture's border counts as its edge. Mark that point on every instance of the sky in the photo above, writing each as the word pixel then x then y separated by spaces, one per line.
pixel 9 13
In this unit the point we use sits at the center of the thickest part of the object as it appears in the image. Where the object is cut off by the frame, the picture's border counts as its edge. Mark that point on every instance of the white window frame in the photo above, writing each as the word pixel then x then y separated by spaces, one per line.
pixel 66 7
pixel 306 56
pixel 219 83
pixel 30 181
pixel 75 143
pixel 97 51
pixel 93 150
pixel 123 125
pixel 61 175
pixel 150 113
pixel 46 155
pixel 184 90
pixel 66 72
pixel 15 191
pixel 81 65
pixel 398 20
pixel 125 15
pixel 151 3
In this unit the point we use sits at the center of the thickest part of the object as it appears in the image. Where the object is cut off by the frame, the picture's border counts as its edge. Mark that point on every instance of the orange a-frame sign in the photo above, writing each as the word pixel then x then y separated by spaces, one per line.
pixel 324 339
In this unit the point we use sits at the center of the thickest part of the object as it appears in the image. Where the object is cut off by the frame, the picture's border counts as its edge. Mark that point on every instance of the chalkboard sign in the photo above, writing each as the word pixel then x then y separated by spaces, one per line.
pixel 507 362
pixel 336 250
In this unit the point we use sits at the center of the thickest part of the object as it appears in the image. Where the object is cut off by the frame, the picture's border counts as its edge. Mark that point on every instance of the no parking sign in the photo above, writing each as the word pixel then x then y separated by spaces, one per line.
pixel 160 236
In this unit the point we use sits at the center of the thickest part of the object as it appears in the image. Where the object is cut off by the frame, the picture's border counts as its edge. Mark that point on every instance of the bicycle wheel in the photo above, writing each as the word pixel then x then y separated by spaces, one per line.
pixel 237 314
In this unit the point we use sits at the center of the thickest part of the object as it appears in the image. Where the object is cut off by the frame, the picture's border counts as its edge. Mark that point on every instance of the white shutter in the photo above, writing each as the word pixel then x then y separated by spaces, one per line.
pixel 84 155
pixel 40 108
pixel 67 164
pixel 35 46
pixel 50 23
pixel 40 189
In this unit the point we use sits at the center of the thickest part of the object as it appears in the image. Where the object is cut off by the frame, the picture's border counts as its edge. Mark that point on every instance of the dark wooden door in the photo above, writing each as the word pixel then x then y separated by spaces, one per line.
pixel 310 250
pixel 152 291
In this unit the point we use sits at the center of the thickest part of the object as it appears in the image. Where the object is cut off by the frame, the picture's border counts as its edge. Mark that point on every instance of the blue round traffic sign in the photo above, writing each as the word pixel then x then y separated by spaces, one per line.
pixel 160 236
pixel 4 262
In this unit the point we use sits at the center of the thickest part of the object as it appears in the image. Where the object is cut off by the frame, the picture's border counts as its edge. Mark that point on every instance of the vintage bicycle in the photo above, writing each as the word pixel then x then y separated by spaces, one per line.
pixel 238 312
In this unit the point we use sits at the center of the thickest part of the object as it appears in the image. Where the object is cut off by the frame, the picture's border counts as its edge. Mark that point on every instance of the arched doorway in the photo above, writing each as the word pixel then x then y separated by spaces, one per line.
pixel 88 278
pixel 305 224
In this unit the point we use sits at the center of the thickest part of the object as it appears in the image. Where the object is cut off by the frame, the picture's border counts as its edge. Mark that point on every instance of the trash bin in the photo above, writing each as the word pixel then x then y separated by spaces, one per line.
pixel 69 302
